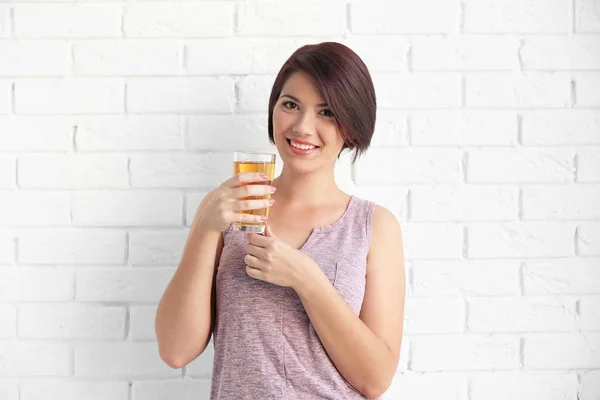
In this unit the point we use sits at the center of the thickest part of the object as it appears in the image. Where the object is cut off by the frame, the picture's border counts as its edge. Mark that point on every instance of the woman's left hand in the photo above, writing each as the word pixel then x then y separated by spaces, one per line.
pixel 272 260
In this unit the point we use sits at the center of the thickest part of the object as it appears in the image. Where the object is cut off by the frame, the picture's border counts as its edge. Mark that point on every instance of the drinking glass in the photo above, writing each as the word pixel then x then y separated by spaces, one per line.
pixel 263 163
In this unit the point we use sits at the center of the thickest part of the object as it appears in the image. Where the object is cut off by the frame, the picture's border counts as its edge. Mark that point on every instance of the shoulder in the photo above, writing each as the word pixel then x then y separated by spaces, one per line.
pixel 386 233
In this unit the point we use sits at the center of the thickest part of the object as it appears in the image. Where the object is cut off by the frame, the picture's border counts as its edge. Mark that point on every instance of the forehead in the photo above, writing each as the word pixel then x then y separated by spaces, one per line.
pixel 303 86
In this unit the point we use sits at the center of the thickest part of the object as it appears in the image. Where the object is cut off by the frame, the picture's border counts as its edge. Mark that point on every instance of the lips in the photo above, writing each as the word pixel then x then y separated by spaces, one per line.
pixel 299 151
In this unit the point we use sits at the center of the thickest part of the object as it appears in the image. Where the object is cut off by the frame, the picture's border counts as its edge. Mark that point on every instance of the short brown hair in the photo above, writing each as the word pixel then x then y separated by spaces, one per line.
pixel 346 85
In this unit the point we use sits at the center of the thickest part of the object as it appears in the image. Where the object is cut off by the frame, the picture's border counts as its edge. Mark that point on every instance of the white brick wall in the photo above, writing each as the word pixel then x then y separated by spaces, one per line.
pixel 117 117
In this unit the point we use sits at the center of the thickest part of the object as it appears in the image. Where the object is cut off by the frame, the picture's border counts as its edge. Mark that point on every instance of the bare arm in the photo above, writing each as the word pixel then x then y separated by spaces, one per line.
pixel 185 315
pixel 364 349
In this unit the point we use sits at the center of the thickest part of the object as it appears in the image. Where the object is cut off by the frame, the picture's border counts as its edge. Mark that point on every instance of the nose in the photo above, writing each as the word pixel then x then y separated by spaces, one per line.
pixel 305 124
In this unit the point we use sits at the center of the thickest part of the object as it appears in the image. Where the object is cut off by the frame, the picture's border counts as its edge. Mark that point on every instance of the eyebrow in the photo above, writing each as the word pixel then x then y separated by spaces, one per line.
pixel 298 101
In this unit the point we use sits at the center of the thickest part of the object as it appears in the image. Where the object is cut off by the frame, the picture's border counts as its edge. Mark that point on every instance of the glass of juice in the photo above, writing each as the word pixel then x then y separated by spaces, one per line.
pixel 263 163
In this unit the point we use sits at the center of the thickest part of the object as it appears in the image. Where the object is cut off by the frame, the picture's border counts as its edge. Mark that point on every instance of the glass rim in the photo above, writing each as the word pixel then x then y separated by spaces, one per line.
pixel 258 153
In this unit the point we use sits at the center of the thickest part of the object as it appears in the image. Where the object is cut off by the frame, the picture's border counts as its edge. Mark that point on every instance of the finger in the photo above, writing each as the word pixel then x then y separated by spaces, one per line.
pixel 248 218
pixel 259 240
pixel 245 177
pixel 253 262
pixel 252 190
pixel 244 205
pixel 255 251
pixel 255 273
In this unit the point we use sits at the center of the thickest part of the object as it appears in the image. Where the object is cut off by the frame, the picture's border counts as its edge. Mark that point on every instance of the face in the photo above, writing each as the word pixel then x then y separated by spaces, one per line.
pixel 304 127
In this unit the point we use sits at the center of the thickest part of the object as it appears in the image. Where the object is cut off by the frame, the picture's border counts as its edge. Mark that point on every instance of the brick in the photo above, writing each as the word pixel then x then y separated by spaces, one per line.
pixel 201 367
pixel 588 165
pixel 426 386
pixel 590 385
pixel 7 247
pixel 142 320
pixel 5 21
pixel 520 165
pixel 186 389
pixel 410 165
pixel 69 96
pixel 434 315
pixel 420 237
pixel 5 96
pixel 413 16
pixel 564 127
pixel 245 55
pixel 192 201
pixel 464 352
pixel 586 89
pixel 464 53
pixel 20 359
pixel 8 172
pixel 517 16
pixel 391 129
pixel 561 202
pixel 561 351
pixel 180 170
pixel 71 321
pixel 254 92
pixel 518 314
pixel 561 277
pixel 129 132
pixel 71 246
pixel 9 390
pixel 587 16
pixel 394 58
pixel 272 17
pixel 160 247
pixel 47 58
pixel 521 239
pixel 458 128
pixel 118 285
pixel 126 57
pixel 36 284
pixel 39 134
pixel 588 235
pixel 180 95
pixel 67 20
pixel 418 90
pixel 519 385
pixel 532 89
pixel 561 53
pixel 127 208
pixel 466 278
pixel 8 323
pixel 218 132
pixel 121 359
pixel 214 19
pixel 73 171
pixel 391 197
pixel 589 313
pixel 73 390
pixel 35 208
pixel 463 203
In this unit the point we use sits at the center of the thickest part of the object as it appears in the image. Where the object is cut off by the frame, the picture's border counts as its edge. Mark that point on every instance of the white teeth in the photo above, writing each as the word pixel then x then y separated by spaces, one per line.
pixel 302 146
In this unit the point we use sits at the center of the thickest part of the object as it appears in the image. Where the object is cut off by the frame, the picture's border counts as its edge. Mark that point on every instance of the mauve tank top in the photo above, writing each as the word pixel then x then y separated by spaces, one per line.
pixel 265 345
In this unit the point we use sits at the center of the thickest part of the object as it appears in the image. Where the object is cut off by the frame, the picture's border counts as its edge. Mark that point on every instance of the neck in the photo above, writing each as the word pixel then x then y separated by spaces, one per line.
pixel 314 188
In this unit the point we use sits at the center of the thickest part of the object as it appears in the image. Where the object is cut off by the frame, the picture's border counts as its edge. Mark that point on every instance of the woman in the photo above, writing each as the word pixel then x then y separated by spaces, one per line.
pixel 314 307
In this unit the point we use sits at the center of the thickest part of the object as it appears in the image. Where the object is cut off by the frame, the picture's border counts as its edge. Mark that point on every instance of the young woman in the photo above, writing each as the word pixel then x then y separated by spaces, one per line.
pixel 313 308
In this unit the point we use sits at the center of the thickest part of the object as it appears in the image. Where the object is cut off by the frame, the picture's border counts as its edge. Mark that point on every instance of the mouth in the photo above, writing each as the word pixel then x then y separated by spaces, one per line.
pixel 301 149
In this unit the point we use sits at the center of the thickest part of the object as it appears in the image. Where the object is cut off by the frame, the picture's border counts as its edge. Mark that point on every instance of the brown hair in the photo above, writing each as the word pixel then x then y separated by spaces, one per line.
pixel 346 85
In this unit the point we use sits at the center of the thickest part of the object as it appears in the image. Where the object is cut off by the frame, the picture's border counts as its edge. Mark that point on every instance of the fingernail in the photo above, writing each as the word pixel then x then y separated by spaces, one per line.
pixel 272 189
pixel 271 201
pixel 263 218
pixel 264 176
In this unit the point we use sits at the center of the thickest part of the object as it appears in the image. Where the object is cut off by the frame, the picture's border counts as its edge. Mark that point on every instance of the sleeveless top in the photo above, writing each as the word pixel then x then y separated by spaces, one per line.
pixel 265 345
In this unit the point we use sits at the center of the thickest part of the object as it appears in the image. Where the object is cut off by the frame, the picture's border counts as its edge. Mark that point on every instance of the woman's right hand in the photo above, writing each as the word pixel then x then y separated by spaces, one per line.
pixel 222 205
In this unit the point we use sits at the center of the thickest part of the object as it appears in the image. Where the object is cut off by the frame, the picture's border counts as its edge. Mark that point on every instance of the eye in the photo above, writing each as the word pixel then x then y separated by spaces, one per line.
pixel 290 104
pixel 326 112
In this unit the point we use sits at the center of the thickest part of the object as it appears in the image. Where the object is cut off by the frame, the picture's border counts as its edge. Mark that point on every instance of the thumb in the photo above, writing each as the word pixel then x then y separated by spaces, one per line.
pixel 269 232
